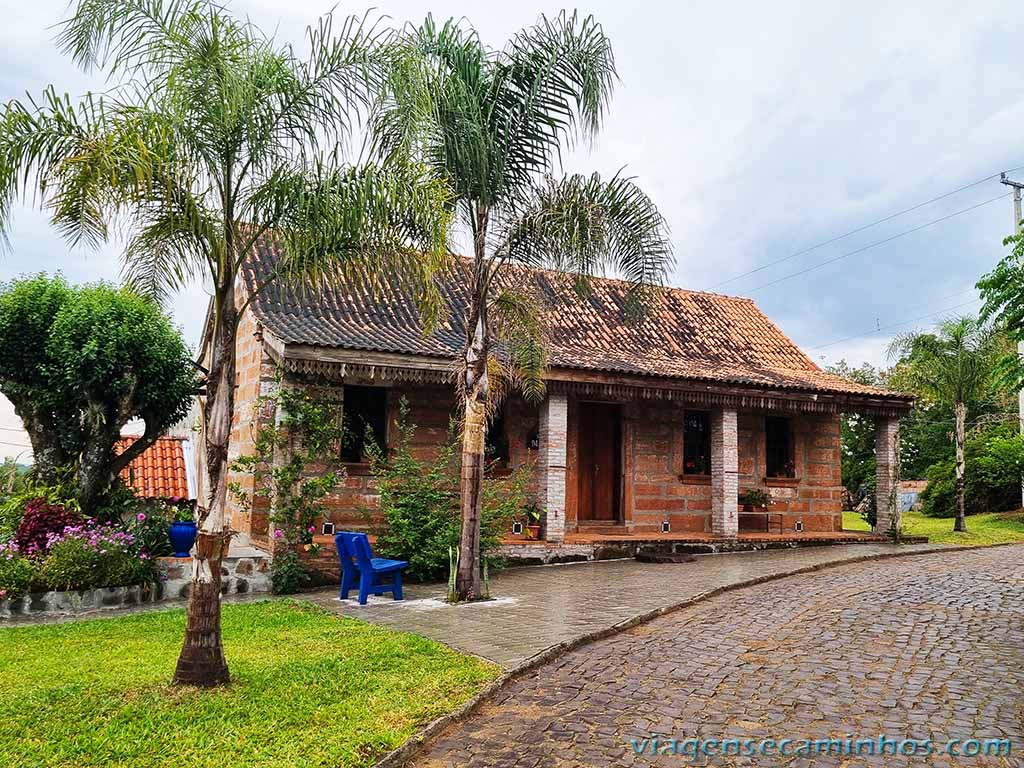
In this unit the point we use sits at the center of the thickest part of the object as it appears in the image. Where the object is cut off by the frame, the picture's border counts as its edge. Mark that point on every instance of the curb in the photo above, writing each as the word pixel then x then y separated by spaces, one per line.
pixel 399 756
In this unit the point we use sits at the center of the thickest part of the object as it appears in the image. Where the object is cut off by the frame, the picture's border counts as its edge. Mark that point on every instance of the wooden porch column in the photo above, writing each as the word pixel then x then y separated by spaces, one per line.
pixel 554 418
pixel 724 473
pixel 887 474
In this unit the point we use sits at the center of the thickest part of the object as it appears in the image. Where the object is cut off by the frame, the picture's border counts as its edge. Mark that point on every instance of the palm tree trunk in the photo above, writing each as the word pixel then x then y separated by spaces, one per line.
pixel 202 656
pixel 961 419
pixel 468 579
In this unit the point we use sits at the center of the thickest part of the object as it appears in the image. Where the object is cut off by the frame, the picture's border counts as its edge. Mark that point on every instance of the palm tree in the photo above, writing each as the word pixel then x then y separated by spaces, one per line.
pixel 957 365
pixel 212 136
pixel 494 124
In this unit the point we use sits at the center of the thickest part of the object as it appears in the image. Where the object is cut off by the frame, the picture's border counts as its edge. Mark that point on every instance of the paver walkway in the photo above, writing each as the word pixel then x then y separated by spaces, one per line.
pixel 538 607
pixel 928 647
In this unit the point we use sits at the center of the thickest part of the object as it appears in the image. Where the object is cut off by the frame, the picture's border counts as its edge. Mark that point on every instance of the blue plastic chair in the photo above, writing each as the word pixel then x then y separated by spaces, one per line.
pixel 355 555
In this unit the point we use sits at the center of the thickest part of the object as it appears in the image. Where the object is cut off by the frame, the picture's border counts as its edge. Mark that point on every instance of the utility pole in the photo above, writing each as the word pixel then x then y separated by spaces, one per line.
pixel 1017 186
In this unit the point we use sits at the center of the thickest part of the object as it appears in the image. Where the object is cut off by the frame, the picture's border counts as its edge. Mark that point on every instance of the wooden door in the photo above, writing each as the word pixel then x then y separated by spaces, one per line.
pixel 599 462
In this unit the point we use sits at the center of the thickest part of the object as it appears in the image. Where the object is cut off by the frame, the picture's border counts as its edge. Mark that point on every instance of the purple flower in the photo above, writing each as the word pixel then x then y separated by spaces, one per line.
pixel 312 529
pixel 141 516
pixel 278 533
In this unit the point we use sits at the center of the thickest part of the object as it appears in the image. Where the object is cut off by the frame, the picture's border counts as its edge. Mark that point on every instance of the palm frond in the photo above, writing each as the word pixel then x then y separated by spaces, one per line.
pixel 128 35
pixel 552 85
pixel 586 226
pixel 516 318
pixel 365 224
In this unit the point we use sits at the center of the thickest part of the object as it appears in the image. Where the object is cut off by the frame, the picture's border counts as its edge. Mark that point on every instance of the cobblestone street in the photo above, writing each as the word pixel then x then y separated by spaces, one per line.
pixel 927 647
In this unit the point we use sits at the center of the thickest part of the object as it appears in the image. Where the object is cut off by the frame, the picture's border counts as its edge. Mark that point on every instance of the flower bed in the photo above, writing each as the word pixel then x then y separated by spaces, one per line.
pixel 54 549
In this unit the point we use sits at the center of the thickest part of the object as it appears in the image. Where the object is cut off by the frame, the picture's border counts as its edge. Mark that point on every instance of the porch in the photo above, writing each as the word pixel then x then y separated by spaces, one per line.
pixel 622 464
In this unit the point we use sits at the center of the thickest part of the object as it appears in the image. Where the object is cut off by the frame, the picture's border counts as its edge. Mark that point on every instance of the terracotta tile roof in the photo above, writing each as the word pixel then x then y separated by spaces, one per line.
pixel 686 334
pixel 159 473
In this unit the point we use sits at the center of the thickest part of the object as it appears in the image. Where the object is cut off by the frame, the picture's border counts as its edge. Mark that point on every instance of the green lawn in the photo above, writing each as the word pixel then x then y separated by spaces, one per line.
pixel 995 528
pixel 310 688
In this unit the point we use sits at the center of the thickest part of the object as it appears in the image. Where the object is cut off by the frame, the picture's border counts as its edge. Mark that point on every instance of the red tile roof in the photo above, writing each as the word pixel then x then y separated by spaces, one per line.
pixel 685 335
pixel 159 472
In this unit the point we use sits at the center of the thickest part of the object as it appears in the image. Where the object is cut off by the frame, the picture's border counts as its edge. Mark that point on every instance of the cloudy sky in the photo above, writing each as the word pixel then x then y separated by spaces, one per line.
pixel 761 130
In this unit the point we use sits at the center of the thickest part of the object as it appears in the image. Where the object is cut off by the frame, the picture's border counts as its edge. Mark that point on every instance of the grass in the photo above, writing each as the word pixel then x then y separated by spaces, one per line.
pixel 993 528
pixel 309 688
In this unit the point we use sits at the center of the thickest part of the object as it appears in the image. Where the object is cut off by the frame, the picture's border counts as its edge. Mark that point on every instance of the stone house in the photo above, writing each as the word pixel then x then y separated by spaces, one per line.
pixel 647 428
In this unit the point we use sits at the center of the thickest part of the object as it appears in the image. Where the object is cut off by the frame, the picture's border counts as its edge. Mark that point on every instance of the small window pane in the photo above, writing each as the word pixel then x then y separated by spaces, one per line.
pixel 778 448
pixel 365 416
pixel 696 443
pixel 496 444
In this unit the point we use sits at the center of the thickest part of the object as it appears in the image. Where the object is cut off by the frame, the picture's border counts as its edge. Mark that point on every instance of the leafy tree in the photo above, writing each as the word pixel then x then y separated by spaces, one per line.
pixel 79 363
pixel 994 463
pixel 494 124
pixel 955 365
pixel 211 136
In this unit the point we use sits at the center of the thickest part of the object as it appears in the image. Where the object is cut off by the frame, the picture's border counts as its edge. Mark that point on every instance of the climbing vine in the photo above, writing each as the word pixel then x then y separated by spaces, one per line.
pixel 294 464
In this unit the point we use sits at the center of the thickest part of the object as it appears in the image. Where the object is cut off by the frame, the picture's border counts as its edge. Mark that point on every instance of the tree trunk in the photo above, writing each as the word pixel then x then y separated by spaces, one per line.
pixel 48 455
pixel 961 419
pixel 468 579
pixel 202 657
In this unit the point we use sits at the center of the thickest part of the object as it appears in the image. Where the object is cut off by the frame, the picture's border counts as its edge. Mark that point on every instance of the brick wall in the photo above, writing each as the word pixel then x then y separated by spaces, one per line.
pixel 655 488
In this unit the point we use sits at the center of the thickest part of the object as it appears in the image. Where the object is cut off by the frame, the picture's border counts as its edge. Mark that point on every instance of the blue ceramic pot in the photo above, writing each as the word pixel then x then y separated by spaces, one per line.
pixel 183 536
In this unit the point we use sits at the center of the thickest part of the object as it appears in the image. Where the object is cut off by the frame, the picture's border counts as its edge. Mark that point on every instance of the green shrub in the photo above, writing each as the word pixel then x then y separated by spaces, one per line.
pixel 994 459
pixel 419 502
pixel 288 574
pixel 17 573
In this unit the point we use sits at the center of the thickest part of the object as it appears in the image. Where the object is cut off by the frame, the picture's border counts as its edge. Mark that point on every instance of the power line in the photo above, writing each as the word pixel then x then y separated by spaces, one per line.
pixel 896 325
pixel 877 243
pixel 875 223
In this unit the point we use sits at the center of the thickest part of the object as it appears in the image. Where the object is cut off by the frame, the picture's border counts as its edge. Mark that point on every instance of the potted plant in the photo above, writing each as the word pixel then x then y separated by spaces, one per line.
pixel 528 521
pixel 755 498
pixel 183 527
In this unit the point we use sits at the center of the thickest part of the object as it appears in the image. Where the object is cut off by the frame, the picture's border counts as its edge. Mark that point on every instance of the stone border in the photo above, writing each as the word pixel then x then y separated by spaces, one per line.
pixel 47 604
pixel 240 575
pixel 401 755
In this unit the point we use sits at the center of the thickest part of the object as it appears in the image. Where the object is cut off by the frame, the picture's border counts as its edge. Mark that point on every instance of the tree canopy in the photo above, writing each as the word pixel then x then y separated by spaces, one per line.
pixel 79 363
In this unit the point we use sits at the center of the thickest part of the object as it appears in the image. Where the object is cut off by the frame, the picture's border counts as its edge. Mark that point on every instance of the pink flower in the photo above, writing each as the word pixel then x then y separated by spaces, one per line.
pixel 312 529
pixel 141 516
pixel 278 533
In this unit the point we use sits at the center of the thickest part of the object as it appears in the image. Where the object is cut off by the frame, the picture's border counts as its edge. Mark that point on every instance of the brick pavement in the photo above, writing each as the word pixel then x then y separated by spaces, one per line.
pixel 538 607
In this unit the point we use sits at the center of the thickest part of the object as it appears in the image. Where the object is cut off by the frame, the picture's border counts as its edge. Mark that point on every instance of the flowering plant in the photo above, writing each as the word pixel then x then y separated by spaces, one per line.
pixel 149 525
pixel 91 555
pixel 180 510
pixel 307 441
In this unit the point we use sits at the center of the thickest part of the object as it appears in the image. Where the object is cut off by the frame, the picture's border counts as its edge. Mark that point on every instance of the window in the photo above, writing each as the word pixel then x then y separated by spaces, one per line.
pixel 778 448
pixel 365 417
pixel 696 443
pixel 496 443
